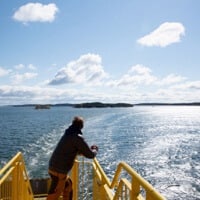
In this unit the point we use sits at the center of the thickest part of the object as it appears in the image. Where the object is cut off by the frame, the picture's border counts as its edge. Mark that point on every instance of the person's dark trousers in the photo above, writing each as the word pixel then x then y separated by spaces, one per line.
pixel 61 184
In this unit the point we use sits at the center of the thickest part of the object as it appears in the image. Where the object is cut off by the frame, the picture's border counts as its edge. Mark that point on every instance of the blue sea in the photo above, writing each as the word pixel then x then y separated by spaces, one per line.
pixel 162 143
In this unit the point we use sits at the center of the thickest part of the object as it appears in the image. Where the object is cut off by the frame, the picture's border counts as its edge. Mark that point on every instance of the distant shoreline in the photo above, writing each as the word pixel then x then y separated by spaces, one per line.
pixel 107 105
pixel 79 105
pixel 168 104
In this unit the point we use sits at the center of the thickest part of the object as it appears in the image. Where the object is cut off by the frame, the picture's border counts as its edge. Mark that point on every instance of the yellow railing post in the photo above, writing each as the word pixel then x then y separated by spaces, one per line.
pixel 74 176
pixel 14 184
pixel 135 189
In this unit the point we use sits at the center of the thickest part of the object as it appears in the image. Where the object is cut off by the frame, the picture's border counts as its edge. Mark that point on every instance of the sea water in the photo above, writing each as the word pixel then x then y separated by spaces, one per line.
pixel 162 143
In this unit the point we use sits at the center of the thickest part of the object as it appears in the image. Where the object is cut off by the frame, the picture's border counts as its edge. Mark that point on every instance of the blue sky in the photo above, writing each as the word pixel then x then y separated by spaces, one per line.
pixel 99 50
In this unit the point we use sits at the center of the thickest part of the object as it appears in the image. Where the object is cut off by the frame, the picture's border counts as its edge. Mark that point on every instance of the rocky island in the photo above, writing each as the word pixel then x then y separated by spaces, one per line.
pixel 40 106
pixel 101 105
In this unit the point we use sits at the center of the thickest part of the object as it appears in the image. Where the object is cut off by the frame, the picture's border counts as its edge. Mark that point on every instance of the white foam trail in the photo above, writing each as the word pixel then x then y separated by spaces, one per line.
pixel 37 154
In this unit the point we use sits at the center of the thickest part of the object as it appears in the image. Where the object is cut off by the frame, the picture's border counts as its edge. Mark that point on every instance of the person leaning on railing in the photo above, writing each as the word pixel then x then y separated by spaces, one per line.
pixel 70 145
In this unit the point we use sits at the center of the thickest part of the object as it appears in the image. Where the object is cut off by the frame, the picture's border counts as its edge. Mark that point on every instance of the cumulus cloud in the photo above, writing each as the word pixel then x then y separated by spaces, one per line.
pixel 22 66
pixel 19 94
pixel 87 69
pixel 14 91
pixel 138 84
pixel 138 74
pixel 181 92
pixel 4 72
pixel 36 12
pixel 189 85
pixel 140 69
pixel 166 34
pixel 19 67
pixel 140 77
pixel 32 67
pixel 172 79
pixel 18 78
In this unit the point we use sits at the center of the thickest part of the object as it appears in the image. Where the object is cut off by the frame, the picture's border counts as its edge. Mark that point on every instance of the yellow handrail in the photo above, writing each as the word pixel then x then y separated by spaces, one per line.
pixel 136 178
pixel 134 188
pixel 137 188
pixel 14 181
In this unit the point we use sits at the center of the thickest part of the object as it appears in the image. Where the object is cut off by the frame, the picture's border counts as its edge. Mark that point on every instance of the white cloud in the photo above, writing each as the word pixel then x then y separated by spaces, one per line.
pixel 4 72
pixel 32 67
pixel 36 12
pixel 194 85
pixel 87 69
pixel 140 75
pixel 172 79
pixel 166 34
pixel 18 94
pixel 140 69
pixel 22 66
pixel 19 67
pixel 18 78
pixel 137 75
pixel 139 84
pixel 189 85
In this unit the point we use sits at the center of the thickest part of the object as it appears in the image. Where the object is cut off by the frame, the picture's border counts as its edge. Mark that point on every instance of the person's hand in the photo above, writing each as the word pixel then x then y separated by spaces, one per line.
pixel 94 147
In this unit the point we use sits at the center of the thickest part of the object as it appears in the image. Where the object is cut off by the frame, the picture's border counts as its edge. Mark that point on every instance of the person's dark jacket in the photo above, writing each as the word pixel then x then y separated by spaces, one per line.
pixel 71 144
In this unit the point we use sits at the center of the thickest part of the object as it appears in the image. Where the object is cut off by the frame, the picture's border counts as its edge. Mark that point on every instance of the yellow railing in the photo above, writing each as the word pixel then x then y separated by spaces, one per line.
pixel 14 181
pixel 89 182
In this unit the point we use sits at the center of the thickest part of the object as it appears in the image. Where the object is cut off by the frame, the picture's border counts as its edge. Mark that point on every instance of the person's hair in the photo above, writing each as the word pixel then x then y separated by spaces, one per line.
pixel 78 122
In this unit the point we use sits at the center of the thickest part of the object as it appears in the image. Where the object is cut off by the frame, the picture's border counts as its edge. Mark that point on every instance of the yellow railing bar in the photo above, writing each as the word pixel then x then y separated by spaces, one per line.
pixel 148 187
pixel 74 176
pixel 17 157
pixel 137 181
pixel 6 175
pixel 14 173
pixel 98 167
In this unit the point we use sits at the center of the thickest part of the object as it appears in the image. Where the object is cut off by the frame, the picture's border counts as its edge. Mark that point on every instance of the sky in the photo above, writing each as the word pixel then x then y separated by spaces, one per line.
pixel 75 51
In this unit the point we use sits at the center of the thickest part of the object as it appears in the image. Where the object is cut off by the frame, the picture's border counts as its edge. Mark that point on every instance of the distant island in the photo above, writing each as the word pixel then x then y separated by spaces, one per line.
pixel 79 105
pixel 39 106
pixel 104 105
